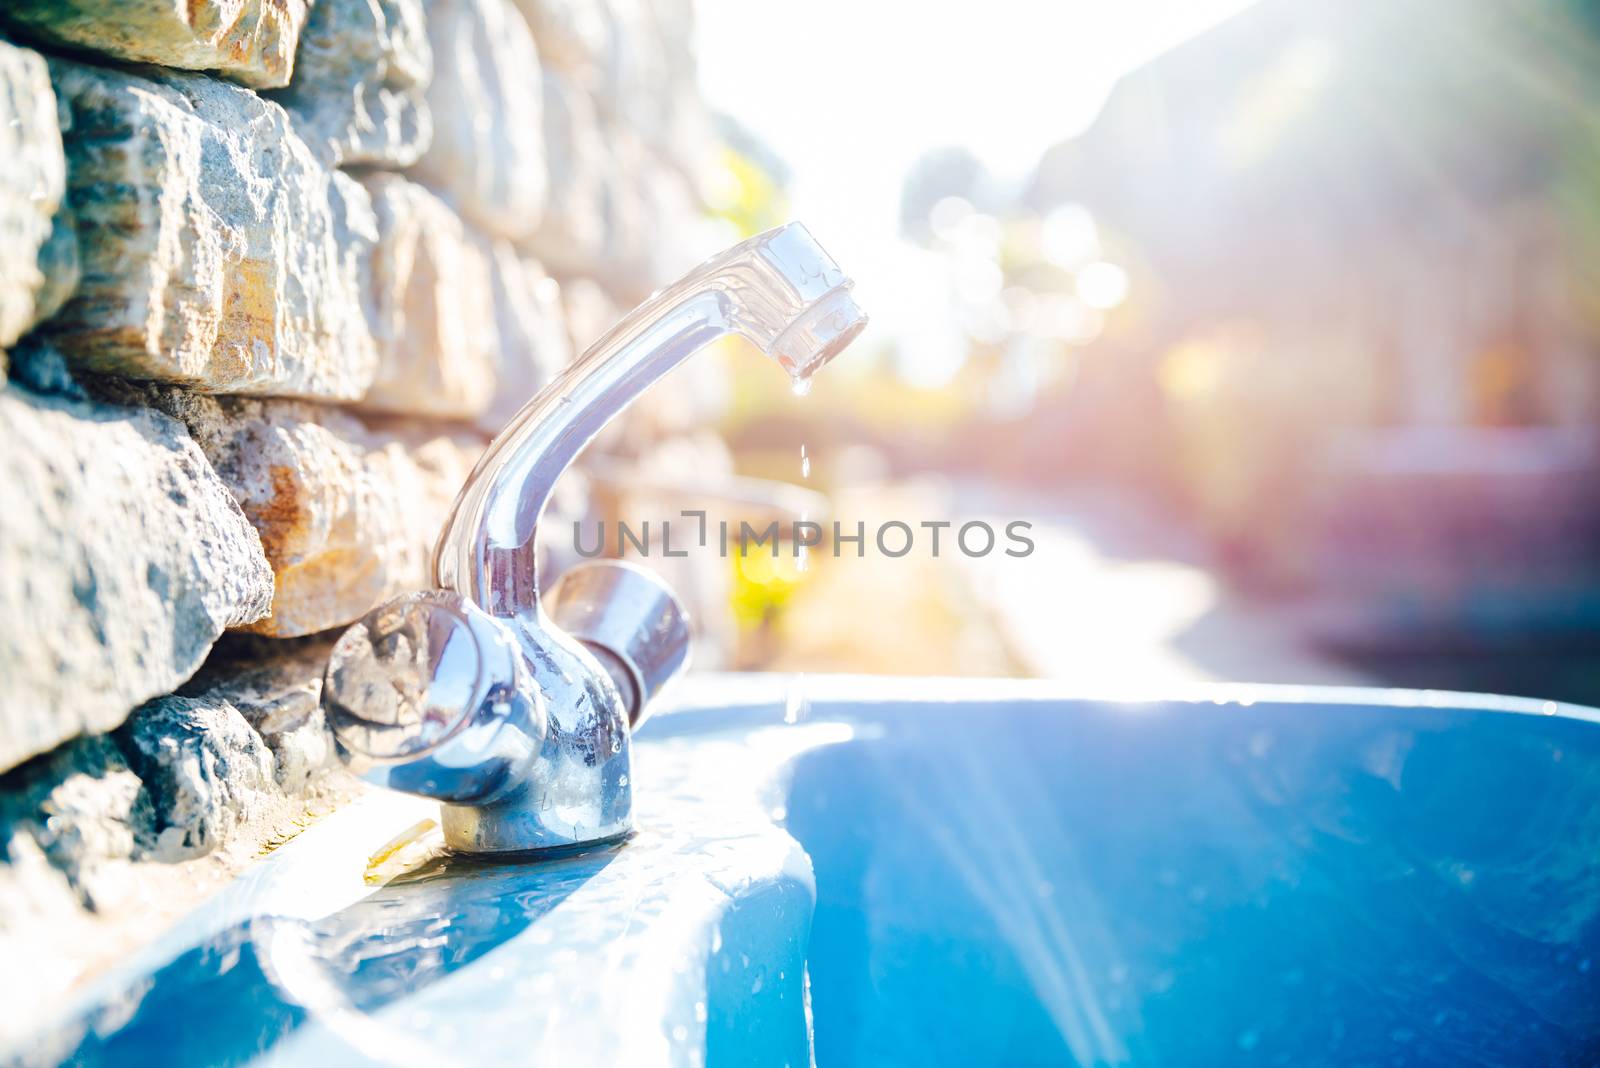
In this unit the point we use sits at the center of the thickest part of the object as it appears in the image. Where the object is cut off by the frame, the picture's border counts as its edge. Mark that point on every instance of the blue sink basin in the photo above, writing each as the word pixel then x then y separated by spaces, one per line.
pixel 931 872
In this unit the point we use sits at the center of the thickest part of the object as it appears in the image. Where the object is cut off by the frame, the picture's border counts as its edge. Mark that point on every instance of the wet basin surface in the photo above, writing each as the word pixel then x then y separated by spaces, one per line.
pixel 936 873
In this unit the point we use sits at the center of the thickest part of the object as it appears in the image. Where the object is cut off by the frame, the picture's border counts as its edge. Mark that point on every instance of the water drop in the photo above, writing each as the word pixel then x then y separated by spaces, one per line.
pixel 805 463
pixel 796 704
pixel 800 386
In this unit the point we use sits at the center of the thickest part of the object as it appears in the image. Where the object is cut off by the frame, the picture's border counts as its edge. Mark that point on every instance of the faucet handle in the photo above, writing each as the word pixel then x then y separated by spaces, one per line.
pixel 630 620
pixel 429 694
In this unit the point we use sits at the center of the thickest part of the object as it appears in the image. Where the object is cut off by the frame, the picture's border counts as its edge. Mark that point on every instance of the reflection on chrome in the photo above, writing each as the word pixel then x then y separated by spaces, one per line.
pixel 514 709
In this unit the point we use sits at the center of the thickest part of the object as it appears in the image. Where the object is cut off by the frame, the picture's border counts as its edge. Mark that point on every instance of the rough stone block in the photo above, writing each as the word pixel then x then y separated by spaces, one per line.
pixel 60 266
pixel 206 772
pixel 358 94
pixel 530 322
pixel 35 270
pixel 487 155
pixel 433 308
pixel 635 71
pixel 589 311
pixel 122 558
pixel 217 252
pixel 625 265
pixel 83 807
pixel 250 41
pixel 574 36
pixel 240 749
pixel 680 237
pixel 572 237
pixel 347 515
pixel 96 856
pixel 38 912
pixel 682 130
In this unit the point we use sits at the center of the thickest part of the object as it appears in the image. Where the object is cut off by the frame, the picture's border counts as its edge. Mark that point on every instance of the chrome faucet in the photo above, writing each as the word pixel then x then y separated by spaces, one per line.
pixel 512 708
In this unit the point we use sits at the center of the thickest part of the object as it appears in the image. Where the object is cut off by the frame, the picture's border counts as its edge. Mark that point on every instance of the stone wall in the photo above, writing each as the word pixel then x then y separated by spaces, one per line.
pixel 271 271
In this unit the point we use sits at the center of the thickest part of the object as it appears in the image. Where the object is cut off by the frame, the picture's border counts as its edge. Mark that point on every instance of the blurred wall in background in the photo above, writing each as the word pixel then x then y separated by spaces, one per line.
pixel 1322 282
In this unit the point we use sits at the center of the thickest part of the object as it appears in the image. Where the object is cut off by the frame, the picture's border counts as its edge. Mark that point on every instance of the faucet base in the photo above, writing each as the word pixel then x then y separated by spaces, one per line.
pixel 518 827
pixel 578 791
pixel 517 718
pixel 506 841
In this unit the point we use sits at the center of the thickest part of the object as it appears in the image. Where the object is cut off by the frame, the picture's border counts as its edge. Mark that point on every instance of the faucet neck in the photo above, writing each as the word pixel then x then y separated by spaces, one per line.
pixel 779 289
pixel 487 548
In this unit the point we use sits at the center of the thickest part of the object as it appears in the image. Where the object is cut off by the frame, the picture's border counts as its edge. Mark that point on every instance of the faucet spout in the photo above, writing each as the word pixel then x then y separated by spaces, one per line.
pixel 518 719
pixel 779 289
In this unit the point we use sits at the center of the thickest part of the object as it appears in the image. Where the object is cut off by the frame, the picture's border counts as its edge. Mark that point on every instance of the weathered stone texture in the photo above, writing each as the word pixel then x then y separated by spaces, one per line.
pixel 43 923
pixel 276 685
pixel 251 41
pixel 32 182
pixel 571 238
pixel 634 81
pixel 222 765
pixel 679 235
pixel 234 754
pixel 531 325
pixel 60 265
pixel 347 515
pixel 589 311
pixel 122 558
pixel 206 771
pixel 185 783
pixel 680 131
pixel 39 366
pixel 36 903
pixel 629 243
pixel 574 36
pixel 433 308
pixel 83 807
pixel 186 278
pixel 487 154
pixel 358 94
pixel 217 251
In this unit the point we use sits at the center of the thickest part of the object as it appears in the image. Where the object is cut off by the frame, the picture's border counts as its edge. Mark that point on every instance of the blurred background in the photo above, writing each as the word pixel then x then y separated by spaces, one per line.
pixel 1278 320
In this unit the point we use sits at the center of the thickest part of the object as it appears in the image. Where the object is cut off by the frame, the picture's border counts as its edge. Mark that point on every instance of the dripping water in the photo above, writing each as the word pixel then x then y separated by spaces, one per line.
pixel 796 704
